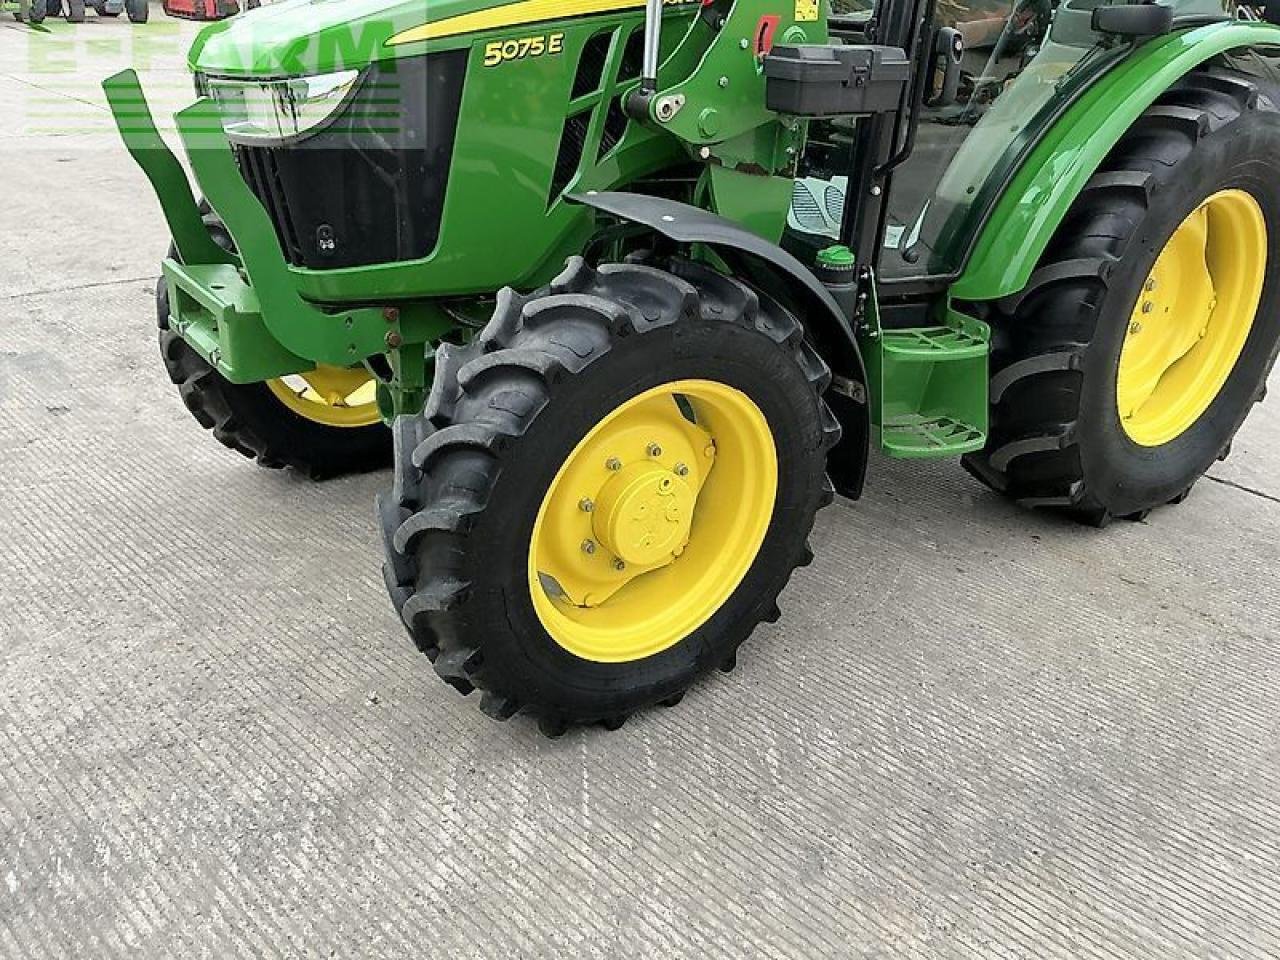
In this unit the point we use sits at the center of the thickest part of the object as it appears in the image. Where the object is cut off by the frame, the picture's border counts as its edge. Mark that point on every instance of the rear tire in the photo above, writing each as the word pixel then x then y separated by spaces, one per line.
pixel 515 406
pixel 251 420
pixel 138 10
pixel 75 11
pixel 1057 439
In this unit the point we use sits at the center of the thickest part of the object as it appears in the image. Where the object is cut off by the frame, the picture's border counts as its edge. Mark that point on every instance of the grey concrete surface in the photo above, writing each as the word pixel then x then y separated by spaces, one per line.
pixel 975 733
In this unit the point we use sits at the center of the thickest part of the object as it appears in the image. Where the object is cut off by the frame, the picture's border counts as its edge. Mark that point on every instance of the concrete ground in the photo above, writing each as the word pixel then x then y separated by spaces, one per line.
pixel 975 732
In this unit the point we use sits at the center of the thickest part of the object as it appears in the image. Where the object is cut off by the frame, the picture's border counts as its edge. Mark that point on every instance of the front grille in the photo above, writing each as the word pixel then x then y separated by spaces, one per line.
pixel 369 186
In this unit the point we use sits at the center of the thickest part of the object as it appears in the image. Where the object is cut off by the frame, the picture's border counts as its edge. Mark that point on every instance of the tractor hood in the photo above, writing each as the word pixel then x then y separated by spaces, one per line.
pixel 299 37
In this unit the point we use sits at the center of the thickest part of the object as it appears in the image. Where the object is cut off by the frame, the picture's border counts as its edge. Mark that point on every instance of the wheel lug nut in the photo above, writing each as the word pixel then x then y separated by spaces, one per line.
pixel 653 450
pixel 588 546
pixel 681 470
pixel 586 504
pixel 1151 285
pixel 619 565
pixel 1148 307
pixel 613 463
pixel 1135 327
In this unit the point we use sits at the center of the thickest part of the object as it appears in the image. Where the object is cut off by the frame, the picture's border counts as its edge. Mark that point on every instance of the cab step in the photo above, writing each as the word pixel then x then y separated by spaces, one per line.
pixel 930 387
pixel 914 435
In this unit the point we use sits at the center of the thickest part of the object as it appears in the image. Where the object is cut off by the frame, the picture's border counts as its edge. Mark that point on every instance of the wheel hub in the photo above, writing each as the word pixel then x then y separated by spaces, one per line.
pixel 643 515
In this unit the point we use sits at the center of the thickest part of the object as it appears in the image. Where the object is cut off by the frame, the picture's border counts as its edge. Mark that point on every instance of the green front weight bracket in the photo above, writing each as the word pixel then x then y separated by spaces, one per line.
pixel 138 130
pixel 243 313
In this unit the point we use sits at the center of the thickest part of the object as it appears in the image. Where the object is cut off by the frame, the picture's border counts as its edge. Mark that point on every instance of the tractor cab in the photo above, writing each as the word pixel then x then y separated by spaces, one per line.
pixel 1021 63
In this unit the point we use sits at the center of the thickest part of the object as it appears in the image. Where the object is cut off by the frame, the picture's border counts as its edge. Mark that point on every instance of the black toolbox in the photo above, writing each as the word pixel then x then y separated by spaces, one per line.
pixel 821 80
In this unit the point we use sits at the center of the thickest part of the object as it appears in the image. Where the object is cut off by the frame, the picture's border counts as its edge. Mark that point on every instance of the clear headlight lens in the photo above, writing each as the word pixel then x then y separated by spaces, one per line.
pixel 279 109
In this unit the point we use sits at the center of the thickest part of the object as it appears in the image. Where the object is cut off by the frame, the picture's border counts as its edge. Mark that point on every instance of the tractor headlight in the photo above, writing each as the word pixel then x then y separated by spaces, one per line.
pixel 276 110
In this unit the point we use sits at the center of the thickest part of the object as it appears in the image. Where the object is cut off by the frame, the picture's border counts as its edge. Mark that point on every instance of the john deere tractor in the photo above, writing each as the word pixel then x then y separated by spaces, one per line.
pixel 638 285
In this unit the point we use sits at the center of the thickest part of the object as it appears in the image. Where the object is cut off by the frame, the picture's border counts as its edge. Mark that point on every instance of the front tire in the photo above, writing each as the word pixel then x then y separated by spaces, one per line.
pixel 1150 326
pixel 506 516
pixel 75 11
pixel 138 10
pixel 278 424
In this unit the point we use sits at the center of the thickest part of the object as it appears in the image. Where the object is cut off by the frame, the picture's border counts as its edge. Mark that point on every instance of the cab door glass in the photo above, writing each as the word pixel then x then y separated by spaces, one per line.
pixel 1022 59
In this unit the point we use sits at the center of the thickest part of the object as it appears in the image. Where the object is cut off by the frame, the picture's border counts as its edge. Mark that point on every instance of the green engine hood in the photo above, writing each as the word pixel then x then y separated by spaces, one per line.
pixel 296 37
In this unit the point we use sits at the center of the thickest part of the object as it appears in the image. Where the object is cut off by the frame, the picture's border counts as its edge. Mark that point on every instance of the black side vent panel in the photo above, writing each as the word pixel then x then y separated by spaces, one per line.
pixel 572 139
pixel 591 66
pixel 615 125
pixel 632 56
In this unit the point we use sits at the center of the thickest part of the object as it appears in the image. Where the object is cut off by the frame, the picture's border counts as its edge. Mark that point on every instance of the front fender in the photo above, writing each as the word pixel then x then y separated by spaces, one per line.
pixel 1041 193
pixel 779 274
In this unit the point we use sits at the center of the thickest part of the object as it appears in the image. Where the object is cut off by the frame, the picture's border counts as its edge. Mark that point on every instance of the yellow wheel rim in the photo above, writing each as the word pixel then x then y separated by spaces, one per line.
pixel 1192 319
pixel 653 521
pixel 333 396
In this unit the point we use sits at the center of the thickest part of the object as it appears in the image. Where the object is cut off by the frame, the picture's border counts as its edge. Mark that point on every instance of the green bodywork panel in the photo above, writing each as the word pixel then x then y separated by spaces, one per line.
pixel 500 181
pixel 1039 196
pixel 298 37
pixel 759 203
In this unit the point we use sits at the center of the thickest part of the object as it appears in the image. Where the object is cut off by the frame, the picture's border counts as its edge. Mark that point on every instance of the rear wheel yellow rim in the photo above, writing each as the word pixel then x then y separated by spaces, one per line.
pixel 653 521
pixel 1192 319
pixel 333 396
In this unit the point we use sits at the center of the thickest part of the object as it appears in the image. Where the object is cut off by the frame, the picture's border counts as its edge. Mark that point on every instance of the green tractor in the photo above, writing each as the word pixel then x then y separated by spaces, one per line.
pixel 639 285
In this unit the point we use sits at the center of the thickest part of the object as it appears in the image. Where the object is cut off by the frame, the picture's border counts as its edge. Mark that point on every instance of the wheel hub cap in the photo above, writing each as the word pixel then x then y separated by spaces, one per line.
pixel 644 514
